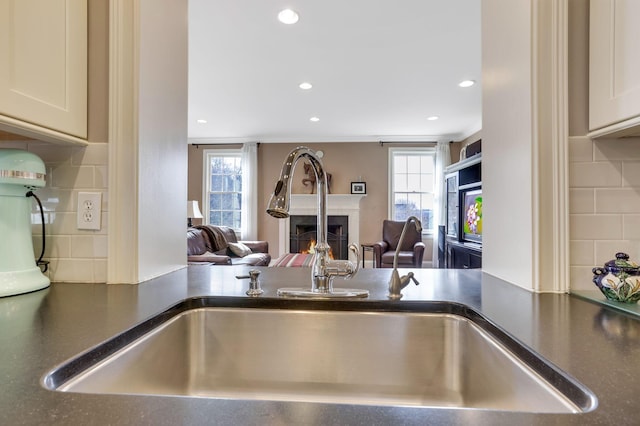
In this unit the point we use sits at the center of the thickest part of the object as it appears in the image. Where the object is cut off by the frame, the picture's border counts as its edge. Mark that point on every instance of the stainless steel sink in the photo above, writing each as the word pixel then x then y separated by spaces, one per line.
pixel 430 354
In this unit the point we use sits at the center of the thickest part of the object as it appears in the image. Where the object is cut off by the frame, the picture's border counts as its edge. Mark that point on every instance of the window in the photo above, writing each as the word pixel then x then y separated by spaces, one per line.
pixel 223 188
pixel 412 183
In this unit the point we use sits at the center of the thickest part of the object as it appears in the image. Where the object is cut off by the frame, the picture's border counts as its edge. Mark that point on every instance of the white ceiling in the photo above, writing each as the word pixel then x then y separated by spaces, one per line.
pixel 379 68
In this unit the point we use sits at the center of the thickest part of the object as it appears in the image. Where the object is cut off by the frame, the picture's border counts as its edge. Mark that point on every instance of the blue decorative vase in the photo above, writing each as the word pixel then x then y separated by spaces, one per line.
pixel 619 279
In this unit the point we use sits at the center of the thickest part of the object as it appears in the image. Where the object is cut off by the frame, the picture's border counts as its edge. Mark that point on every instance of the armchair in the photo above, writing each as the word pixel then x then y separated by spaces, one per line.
pixel 411 252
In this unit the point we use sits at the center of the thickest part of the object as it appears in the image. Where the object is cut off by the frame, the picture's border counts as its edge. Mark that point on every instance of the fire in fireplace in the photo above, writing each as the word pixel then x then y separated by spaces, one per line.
pixel 302 232
pixel 311 249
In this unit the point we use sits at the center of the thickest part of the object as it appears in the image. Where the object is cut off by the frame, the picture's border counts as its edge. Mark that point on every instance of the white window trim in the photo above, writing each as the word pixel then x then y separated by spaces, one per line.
pixel 392 152
pixel 206 182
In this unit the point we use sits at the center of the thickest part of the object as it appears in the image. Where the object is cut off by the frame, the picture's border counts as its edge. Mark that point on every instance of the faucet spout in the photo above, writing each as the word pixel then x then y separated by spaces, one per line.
pixel 324 269
pixel 397 282
pixel 280 199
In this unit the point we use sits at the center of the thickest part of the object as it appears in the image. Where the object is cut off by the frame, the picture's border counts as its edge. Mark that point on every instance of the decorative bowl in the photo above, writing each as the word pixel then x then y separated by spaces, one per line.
pixel 619 279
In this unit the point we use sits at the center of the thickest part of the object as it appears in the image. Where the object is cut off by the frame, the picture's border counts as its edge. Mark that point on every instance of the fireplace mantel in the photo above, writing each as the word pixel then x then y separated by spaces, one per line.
pixel 337 204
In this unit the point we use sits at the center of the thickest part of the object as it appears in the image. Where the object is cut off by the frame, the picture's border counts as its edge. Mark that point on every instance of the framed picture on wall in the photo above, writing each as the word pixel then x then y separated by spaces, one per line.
pixel 358 187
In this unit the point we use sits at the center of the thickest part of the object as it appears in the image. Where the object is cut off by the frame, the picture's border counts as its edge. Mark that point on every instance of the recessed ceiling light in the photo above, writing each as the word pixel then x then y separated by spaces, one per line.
pixel 467 83
pixel 288 16
pixel 432 118
pixel 305 86
pixel 314 119
pixel 201 121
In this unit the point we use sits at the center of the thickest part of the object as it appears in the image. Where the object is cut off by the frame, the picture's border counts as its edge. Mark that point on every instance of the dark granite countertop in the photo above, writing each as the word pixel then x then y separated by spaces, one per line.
pixel 597 345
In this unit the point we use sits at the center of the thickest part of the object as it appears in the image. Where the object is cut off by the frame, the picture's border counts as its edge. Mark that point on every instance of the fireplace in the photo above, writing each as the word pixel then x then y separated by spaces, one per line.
pixel 307 204
pixel 302 234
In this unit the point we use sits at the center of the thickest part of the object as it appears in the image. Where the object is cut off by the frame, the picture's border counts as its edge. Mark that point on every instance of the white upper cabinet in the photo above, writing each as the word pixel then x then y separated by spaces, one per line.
pixel 614 67
pixel 43 71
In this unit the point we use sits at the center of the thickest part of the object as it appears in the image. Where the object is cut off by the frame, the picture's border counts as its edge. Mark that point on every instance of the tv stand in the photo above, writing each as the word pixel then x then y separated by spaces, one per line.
pixel 463 255
pixel 461 251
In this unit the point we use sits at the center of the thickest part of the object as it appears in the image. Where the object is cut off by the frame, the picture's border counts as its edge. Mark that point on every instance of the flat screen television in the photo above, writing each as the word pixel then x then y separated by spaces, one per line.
pixel 471 215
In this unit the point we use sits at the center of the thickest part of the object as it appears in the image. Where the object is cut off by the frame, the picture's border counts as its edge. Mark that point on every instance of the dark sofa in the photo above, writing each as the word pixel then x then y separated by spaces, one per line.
pixel 209 243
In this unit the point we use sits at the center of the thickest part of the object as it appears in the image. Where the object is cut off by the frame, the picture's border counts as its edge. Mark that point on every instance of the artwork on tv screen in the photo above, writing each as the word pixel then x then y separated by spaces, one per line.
pixel 472 215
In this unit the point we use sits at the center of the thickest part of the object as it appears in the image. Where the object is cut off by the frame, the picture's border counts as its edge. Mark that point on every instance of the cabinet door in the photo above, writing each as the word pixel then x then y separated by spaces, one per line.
pixel 614 62
pixel 43 73
pixel 463 258
pixel 452 205
pixel 475 260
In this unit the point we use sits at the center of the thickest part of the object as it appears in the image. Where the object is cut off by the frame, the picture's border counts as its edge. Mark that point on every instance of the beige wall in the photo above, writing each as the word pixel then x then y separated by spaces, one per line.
pixel 456 147
pixel 194 170
pixel 347 162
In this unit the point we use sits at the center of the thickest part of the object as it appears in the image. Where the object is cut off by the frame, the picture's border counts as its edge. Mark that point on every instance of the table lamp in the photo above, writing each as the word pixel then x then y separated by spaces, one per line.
pixel 193 211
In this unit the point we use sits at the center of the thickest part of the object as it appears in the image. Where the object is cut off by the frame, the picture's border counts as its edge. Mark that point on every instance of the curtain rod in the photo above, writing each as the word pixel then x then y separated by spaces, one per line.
pixel 382 143
pixel 198 145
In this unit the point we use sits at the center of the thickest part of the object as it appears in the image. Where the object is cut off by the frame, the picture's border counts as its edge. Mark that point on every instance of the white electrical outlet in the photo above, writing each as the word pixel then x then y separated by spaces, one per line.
pixel 89 210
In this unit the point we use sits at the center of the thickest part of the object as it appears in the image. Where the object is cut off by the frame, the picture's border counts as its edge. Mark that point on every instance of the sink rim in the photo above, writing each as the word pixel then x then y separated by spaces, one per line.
pixel 579 395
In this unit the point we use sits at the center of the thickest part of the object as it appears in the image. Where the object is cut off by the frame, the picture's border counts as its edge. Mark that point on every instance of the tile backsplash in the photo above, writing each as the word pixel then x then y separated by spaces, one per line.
pixel 74 255
pixel 604 204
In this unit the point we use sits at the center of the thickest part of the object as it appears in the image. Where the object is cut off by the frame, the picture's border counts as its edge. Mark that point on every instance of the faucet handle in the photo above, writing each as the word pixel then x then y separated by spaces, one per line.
pixel 254 283
pixel 355 250
pixel 344 268
pixel 413 278
pixel 339 268
pixel 397 283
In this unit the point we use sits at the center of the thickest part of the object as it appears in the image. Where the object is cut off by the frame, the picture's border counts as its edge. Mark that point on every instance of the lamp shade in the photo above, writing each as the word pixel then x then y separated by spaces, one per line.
pixel 193 211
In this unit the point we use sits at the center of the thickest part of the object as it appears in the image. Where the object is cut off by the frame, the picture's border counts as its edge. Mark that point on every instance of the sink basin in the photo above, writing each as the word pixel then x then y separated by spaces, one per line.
pixel 430 354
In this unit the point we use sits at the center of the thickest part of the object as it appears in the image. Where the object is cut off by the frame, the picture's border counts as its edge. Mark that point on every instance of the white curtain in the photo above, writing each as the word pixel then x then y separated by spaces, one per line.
pixel 443 159
pixel 249 217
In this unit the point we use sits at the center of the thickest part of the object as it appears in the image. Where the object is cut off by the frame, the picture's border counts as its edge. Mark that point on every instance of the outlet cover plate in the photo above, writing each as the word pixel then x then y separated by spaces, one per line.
pixel 89 210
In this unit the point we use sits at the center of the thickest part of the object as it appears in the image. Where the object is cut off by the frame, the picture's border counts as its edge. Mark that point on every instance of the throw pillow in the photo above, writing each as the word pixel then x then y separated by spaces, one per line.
pixel 239 249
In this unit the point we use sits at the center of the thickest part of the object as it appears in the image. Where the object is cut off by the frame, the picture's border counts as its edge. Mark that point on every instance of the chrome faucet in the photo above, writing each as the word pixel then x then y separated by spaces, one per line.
pixel 397 282
pixel 324 270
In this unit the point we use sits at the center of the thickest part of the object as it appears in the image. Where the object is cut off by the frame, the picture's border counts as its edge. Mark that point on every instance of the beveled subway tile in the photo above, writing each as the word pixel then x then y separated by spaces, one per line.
pixel 55 246
pixel 581 200
pixel 52 154
pixel 582 252
pixel 72 270
pixel 631 226
pixel 54 200
pixel 92 154
pixel 75 177
pixel 616 149
pixel 618 200
pixel 580 278
pixel 595 175
pixel 606 250
pixel 89 246
pixel 595 227
pixel 62 223
pixel 70 170
pixel 101 177
pixel 100 270
pixel 631 173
